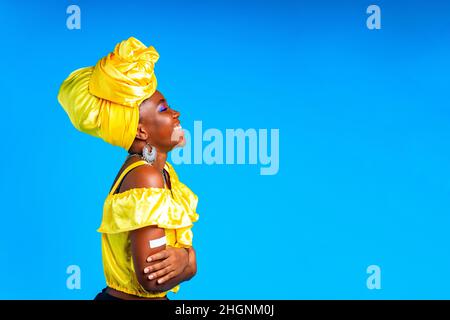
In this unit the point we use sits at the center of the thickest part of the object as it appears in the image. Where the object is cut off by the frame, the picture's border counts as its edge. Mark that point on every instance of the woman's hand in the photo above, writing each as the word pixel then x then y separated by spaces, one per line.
pixel 171 262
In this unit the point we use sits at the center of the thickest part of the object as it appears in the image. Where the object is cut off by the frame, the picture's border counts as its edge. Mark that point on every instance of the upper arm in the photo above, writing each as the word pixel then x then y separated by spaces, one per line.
pixel 144 177
pixel 140 250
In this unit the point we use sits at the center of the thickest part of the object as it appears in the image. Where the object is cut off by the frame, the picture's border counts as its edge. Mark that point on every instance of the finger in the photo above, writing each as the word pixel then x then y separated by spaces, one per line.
pixel 158 256
pixel 167 277
pixel 160 273
pixel 156 266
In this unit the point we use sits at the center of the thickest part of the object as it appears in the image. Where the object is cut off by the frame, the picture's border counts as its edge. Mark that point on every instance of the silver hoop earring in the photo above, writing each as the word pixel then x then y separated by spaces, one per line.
pixel 149 156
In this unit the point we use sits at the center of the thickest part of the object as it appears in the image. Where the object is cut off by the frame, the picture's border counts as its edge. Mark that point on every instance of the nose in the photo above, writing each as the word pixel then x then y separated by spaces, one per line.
pixel 176 114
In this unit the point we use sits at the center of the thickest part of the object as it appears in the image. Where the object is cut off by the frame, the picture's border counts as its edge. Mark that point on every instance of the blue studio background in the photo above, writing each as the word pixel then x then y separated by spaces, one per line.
pixel 364 169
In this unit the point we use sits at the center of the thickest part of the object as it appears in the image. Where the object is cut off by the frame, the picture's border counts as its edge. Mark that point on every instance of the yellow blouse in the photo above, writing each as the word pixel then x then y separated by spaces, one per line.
pixel 173 210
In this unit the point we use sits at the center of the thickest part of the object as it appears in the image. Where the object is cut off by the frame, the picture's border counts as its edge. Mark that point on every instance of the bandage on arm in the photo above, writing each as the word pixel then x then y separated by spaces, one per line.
pixel 155 243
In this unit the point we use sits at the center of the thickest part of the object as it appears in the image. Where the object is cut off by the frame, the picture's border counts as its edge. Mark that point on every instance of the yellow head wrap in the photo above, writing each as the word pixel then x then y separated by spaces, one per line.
pixel 104 100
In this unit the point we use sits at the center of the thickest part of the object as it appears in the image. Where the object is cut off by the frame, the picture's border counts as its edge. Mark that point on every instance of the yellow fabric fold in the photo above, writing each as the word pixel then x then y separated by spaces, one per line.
pixel 126 75
pixel 137 208
pixel 104 100
pixel 101 118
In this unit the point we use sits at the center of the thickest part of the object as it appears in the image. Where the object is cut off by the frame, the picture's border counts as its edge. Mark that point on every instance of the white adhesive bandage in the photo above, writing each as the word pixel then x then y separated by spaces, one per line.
pixel 157 242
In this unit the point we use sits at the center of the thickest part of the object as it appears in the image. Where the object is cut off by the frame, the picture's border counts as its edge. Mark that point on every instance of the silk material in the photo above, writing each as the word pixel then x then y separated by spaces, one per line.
pixel 137 208
pixel 104 100
pixel 114 123
pixel 126 76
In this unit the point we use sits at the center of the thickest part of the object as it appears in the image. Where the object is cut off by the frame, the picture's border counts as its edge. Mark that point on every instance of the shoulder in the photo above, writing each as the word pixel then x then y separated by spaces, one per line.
pixel 144 176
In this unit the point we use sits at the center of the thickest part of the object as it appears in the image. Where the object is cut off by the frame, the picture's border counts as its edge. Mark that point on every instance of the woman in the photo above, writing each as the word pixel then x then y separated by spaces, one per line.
pixel 148 214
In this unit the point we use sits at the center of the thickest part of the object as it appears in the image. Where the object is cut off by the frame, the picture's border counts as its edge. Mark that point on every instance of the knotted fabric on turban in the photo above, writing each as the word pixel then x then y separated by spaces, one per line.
pixel 104 100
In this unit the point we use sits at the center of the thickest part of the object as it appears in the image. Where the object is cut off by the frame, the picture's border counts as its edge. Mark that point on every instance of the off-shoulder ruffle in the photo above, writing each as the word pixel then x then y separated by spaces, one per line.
pixel 141 207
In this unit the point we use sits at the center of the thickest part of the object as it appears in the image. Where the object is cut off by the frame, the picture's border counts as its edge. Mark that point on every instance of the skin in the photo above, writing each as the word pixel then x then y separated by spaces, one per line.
pixel 162 268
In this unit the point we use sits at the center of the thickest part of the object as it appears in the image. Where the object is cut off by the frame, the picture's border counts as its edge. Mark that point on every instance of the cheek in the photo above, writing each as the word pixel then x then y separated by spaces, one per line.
pixel 164 127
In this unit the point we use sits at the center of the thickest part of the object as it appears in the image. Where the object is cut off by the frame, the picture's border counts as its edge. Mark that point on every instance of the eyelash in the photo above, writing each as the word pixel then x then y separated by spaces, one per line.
pixel 163 108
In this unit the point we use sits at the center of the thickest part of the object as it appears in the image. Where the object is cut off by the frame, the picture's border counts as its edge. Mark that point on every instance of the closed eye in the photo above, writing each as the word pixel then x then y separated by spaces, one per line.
pixel 162 108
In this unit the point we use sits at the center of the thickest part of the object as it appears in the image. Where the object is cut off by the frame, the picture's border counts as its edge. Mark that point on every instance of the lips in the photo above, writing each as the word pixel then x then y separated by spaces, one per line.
pixel 178 133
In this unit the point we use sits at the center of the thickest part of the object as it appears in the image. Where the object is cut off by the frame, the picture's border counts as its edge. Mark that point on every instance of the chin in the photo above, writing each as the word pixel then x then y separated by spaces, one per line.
pixel 181 143
pixel 178 135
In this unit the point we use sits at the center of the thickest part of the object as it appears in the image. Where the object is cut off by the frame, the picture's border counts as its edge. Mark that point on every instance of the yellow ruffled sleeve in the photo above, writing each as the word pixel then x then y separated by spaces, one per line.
pixel 141 207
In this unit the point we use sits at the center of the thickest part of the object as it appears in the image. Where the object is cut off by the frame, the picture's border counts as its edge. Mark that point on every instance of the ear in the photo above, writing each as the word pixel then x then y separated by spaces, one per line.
pixel 141 133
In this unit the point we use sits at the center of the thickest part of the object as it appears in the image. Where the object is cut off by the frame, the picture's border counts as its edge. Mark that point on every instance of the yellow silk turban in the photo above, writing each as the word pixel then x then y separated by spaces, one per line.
pixel 104 100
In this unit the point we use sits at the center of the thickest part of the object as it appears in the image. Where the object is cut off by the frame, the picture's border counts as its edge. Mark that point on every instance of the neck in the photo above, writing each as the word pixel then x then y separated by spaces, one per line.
pixel 160 160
